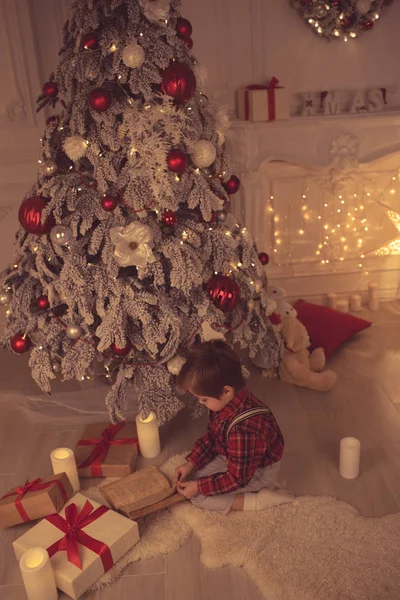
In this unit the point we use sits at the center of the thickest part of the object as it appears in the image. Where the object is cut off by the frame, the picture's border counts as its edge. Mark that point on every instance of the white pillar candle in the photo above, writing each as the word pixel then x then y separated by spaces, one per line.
pixel 148 435
pixel 37 575
pixel 355 303
pixel 342 305
pixel 63 461
pixel 373 296
pixel 349 465
pixel 331 300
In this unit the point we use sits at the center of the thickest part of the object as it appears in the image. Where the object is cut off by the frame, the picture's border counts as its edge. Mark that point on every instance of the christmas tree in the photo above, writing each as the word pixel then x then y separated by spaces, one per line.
pixel 127 254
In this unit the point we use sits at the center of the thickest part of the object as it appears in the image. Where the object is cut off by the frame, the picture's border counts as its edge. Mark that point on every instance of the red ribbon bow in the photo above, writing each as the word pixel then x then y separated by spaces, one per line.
pixel 72 526
pixel 270 89
pixel 101 447
pixel 33 486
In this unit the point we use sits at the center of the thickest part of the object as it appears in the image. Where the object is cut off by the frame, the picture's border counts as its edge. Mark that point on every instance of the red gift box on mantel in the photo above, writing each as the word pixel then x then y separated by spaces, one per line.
pixel 34 500
pixel 107 450
pixel 83 541
pixel 264 102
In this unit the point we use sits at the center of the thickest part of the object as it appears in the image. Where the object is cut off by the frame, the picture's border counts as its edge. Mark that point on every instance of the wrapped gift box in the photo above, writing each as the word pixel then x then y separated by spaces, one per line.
pixel 84 541
pixel 107 450
pixel 264 102
pixel 34 500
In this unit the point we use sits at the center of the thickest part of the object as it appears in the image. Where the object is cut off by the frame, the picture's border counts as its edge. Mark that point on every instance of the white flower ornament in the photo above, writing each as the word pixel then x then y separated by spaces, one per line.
pixel 132 245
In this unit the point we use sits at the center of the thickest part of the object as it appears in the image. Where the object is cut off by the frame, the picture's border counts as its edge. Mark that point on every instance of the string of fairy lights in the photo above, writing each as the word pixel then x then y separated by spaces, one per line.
pixel 338 227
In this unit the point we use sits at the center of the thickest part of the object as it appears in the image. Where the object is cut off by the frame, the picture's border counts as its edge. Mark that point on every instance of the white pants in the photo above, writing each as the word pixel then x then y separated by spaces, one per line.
pixel 265 477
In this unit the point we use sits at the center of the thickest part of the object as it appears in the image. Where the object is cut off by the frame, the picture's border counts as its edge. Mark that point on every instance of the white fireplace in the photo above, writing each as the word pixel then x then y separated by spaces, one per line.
pixel 321 195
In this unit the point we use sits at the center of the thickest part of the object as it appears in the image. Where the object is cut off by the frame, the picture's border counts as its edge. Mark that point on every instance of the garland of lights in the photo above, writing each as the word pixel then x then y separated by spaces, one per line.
pixel 340 18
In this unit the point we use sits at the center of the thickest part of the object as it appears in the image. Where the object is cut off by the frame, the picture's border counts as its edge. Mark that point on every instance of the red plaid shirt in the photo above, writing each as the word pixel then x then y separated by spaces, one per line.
pixel 253 443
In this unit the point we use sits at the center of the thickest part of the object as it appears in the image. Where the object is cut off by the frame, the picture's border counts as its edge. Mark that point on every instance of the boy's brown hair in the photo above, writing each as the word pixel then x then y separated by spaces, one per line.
pixel 211 366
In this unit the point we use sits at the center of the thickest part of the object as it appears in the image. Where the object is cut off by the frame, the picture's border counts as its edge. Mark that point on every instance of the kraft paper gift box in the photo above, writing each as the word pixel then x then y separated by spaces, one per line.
pixel 97 538
pixel 264 102
pixel 34 500
pixel 107 450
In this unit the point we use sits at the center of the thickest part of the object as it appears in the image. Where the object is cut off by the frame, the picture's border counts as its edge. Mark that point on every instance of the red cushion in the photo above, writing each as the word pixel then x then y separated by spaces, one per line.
pixel 328 328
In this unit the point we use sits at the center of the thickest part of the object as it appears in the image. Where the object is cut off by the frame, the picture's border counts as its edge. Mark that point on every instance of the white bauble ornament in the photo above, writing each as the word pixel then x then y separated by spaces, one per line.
pixel 204 154
pixel 60 235
pixel 56 367
pixel 133 56
pixel 75 147
pixel 74 331
pixel 364 6
pixel 5 298
pixel 175 365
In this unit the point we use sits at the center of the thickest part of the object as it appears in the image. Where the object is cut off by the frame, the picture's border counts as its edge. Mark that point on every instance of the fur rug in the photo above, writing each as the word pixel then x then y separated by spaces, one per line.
pixel 316 548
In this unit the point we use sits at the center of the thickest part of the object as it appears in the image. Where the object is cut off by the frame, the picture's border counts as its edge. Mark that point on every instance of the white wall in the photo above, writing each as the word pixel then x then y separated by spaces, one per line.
pixel 249 41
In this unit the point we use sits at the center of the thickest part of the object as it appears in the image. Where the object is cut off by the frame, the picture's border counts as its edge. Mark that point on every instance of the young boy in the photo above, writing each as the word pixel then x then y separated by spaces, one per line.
pixel 236 463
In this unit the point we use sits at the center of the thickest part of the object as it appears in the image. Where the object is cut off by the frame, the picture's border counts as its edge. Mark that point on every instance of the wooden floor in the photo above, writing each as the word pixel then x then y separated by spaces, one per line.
pixel 365 403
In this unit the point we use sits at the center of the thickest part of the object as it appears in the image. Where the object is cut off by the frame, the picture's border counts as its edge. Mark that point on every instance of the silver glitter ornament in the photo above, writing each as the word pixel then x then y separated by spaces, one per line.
pixel 5 298
pixel 56 366
pixel 221 216
pixel 74 331
pixel 133 56
pixel 60 235
pixel 321 11
pixel 49 168
pixel 204 154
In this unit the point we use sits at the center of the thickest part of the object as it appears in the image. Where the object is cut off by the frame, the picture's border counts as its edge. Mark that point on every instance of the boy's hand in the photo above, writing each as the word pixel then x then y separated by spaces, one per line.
pixel 189 489
pixel 182 472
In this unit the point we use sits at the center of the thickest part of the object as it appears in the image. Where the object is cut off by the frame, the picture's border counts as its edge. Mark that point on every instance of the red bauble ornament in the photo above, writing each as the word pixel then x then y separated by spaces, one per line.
pixel 232 185
pixel 109 203
pixel 121 351
pixel 42 303
pixel 30 215
pixel 368 25
pixel 264 258
pixel 189 43
pixel 224 292
pixel 100 100
pixel 184 28
pixel 169 218
pixel 179 82
pixel 275 319
pixel 20 343
pixel 177 161
pixel 89 41
pixel 213 217
pixel 348 21
pixel 50 89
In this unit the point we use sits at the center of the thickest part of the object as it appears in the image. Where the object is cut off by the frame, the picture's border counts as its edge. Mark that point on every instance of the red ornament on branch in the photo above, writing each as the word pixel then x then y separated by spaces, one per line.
pixel 264 258
pixel 30 216
pixel 124 351
pixel 89 41
pixel 213 217
pixel 169 218
pixel 177 161
pixel 184 28
pixel 51 120
pixel 100 100
pixel 189 43
pixel 50 89
pixel 232 185
pixel 20 343
pixel 109 203
pixel 368 25
pixel 224 292
pixel 179 82
pixel 42 303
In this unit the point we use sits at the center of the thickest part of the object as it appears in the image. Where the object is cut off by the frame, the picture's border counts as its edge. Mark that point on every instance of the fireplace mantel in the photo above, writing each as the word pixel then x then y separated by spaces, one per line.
pixel 306 140
pixel 280 159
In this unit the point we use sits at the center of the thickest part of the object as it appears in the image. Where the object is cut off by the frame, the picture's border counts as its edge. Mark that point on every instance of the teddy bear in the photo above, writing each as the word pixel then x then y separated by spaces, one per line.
pixel 298 366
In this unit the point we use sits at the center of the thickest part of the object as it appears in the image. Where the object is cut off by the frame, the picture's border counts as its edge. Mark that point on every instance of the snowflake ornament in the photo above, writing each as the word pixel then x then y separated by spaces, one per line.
pixel 132 245
pixel 75 147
